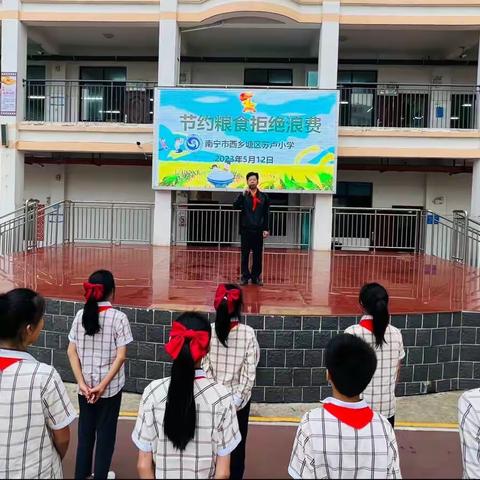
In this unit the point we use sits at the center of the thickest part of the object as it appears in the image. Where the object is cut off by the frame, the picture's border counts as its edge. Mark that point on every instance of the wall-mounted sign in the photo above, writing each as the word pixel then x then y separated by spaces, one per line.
pixel 8 94
pixel 207 139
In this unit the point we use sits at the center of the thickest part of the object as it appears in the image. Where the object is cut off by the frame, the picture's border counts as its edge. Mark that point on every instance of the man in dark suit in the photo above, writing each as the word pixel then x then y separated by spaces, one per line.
pixel 254 206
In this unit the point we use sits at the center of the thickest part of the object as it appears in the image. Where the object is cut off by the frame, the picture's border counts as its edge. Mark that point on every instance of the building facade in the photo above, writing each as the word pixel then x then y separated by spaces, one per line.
pixel 85 71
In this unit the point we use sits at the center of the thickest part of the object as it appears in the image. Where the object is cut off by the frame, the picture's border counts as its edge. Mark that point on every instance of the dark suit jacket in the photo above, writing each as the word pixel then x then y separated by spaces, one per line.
pixel 251 220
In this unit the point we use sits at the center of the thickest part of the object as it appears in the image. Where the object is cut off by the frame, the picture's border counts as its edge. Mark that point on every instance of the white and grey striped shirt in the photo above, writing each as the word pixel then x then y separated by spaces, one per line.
pixel 326 447
pixel 380 392
pixel 235 366
pixel 98 352
pixel 33 401
pixel 216 434
pixel 469 423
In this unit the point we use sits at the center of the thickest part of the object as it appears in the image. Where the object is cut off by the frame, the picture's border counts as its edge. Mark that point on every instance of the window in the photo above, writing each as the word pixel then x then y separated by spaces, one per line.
pixel 35 105
pixel 353 194
pixel 102 94
pixel 268 77
pixel 463 111
pixel 357 97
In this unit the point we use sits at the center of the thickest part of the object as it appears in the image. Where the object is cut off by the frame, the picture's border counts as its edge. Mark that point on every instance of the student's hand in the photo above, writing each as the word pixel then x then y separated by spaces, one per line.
pixel 96 393
pixel 266 234
pixel 85 390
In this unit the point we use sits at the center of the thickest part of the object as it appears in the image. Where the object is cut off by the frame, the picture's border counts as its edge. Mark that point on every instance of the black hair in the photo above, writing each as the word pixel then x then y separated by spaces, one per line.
pixel 180 420
pixel 252 174
pixel 90 317
pixel 374 299
pixel 223 317
pixel 351 363
pixel 18 309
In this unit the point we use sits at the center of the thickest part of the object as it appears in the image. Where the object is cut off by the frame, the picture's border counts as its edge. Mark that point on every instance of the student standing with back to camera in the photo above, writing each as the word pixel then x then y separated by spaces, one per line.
pixel 254 207
pixel 386 340
pixel 35 409
pixel 186 425
pixel 98 347
pixel 232 361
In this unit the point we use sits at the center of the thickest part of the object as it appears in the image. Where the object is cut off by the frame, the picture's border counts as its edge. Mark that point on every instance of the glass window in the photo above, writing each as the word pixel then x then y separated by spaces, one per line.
pixel 102 94
pixel 462 111
pixel 266 77
pixel 35 104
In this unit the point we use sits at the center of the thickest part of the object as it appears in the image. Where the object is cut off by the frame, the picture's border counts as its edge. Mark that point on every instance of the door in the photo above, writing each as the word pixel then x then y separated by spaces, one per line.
pixel 102 94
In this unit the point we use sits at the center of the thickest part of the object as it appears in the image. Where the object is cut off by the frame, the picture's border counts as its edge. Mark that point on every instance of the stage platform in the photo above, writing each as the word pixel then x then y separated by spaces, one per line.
pixel 297 282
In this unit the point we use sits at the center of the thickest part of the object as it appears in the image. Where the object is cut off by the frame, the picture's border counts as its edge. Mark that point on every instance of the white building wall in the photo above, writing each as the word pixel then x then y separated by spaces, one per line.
pixel 415 189
pixel 90 183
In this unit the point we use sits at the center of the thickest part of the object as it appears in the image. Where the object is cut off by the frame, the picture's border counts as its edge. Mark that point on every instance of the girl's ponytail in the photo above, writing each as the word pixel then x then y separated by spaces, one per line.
pixel 100 286
pixel 188 344
pixel 374 299
pixel 228 305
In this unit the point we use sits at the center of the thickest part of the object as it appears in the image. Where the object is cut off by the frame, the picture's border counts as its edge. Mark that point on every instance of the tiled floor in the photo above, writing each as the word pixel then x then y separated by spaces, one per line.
pixel 297 282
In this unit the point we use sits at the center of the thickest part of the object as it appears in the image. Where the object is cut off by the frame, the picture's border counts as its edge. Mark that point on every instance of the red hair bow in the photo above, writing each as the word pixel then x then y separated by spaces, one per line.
pixel 95 290
pixel 199 341
pixel 232 296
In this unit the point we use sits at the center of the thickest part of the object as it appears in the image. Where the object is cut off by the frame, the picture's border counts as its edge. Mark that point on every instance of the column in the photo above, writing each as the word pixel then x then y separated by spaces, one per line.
pixel 13 60
pixel 168 75
pixel 327 79
pixel 475 201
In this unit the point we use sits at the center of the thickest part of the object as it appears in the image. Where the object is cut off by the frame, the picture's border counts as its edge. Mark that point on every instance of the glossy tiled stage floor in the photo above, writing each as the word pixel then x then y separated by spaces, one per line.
pixel 296 282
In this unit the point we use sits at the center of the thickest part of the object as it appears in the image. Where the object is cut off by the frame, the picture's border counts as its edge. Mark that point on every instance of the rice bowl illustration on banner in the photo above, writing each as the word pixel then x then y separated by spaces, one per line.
pixel 208 139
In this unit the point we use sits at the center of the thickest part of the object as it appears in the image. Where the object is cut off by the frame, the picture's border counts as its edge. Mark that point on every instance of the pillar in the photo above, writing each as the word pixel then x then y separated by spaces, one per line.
pixel 475 202
pixel 13 60
pixel 327 79
pixel 168 76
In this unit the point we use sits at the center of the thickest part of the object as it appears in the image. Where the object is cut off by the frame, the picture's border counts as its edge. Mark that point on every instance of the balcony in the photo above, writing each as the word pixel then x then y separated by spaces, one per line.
pixel 409 106
pixel 391 106
pixel 74 101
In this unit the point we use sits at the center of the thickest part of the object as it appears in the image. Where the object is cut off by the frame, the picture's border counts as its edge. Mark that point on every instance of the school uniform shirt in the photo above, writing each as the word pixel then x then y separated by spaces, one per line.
pixel 469 422
pixel 380 392
pixel 344 440
pixel 33 400
pixel 98 352
pixel 234 367
pixel 216 434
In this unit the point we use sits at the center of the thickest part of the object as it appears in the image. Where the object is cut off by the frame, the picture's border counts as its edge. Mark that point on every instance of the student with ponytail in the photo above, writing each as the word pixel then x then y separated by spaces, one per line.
pixel 186 425
pixel 98 346
pixel 376 330
pixel 232 361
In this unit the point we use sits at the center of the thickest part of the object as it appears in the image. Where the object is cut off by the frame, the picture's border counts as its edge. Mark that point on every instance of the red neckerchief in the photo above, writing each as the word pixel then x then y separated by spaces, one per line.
pixel 6 362
pixel 256 201
pixel 354 417
pixel 367 322
pixel 233 325
pixel 104 309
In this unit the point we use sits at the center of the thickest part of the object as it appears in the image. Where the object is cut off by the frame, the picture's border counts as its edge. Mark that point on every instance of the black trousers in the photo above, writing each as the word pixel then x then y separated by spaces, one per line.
pixel 237 458
pixel 97 423
pixel 392 421
pixel 252 241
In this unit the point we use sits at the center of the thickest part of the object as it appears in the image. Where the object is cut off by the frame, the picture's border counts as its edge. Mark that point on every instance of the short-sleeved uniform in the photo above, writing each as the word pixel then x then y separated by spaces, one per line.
pixel 98 352
pixel 216 434
pixel 344 440
pixel 469 423
pixel 380 392
pixel 33 400
pixel 235 366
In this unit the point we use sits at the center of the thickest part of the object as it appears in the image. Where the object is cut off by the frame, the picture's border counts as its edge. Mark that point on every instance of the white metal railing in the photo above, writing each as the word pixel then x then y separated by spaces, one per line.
pixel 219 224
pixel 423 231
pixel 376 228
pixel 36 226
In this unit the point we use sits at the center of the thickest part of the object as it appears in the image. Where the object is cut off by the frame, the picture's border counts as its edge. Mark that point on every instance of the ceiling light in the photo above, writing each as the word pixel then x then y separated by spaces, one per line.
pixel 467 105
pixel 108 36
